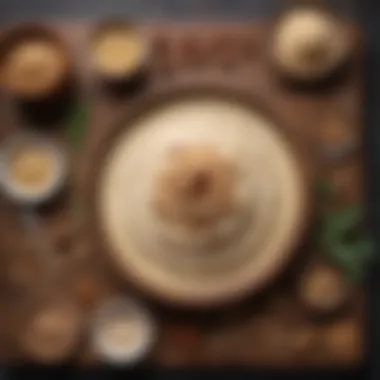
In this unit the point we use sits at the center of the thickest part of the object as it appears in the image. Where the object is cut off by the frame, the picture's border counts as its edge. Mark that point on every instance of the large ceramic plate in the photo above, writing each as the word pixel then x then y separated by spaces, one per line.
pixel 199 198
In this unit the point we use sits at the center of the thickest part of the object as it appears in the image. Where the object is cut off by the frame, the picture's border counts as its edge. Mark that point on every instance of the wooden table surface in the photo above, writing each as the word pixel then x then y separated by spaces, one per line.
pixel 241 9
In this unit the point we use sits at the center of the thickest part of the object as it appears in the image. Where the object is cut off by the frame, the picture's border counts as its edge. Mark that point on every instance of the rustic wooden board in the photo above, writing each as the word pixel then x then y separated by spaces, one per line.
pixel 271 329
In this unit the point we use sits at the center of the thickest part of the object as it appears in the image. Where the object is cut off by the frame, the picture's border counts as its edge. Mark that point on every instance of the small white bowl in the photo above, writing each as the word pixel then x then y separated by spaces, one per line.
pixel 116 310
pixel 310 43
pixel 22 194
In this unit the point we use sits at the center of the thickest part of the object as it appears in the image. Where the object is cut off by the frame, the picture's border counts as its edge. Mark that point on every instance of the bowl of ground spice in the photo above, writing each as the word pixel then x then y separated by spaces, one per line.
pixel 118 50
pixel 34 62
pixel 32 169
pixel 310 43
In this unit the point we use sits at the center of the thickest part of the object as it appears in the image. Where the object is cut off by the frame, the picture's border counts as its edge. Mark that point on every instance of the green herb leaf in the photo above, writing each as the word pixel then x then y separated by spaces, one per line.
pixel 365 248
pixel 351 256
pixel 76 125
pixel 325 189
pixel 344 219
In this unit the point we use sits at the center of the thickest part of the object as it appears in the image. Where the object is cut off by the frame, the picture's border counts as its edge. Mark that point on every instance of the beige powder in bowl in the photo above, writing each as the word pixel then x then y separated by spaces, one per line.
pixel 53 333
pixel 117 50
pixel 31 167
pixel 309 43
pixel 33 67
pixel 123 332
pixel 323 289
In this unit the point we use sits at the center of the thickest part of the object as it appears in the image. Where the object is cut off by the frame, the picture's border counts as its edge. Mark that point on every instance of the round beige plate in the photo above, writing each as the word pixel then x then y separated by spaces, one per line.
pixel 200 200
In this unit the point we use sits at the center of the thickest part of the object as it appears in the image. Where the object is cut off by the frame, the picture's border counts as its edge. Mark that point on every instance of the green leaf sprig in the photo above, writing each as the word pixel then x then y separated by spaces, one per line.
pixel 76 125
pixel 348 249
pixel 324 189
pixel 351 252
pixel 75 134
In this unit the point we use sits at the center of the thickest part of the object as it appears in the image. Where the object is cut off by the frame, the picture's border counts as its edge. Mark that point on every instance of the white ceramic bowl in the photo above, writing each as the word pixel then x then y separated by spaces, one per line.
pixel 21 194
pixel 310 43
pixel 127 354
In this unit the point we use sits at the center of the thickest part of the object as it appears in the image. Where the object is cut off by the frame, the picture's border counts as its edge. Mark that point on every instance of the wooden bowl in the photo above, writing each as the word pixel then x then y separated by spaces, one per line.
pixel 200 211
pixel 46 49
